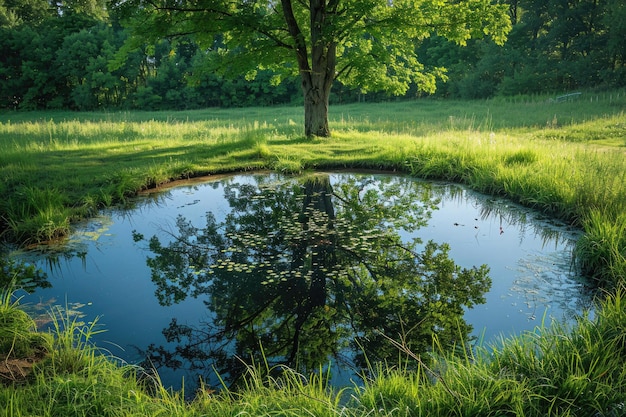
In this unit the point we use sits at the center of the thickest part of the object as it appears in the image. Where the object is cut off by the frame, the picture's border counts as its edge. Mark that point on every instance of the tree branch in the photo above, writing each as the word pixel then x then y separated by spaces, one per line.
pixel 298 37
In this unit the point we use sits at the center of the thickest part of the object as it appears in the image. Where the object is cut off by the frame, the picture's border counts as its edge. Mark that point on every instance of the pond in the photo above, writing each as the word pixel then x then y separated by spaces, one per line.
pixel 306 271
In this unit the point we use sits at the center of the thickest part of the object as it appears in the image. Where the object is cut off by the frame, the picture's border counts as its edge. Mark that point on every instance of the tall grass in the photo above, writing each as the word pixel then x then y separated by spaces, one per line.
pixel 77 379
pixel 601 251
pixel 556 371
pixel 17 331
pixel 74 378
pixel 35 214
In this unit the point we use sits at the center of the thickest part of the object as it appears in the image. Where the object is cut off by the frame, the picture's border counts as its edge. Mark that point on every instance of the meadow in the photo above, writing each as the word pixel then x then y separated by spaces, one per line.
pixel 565 159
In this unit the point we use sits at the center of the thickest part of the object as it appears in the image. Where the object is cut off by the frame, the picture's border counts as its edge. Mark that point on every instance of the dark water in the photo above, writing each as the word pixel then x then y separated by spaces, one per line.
pixel 196 279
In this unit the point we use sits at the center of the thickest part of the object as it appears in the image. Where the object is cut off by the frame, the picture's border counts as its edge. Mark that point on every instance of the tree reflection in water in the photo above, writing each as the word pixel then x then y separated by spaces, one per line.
pixel 301 272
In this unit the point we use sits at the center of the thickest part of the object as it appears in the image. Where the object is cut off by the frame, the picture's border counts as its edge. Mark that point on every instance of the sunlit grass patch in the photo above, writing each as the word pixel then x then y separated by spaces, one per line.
pixel 287 165
pixel 601 251
pixel 36 214
pixel 510 147
pixel 521 157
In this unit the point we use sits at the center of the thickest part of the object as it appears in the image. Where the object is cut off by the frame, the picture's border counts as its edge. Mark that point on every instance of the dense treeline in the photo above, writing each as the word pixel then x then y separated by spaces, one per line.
pixel 555 45
pixel 63 54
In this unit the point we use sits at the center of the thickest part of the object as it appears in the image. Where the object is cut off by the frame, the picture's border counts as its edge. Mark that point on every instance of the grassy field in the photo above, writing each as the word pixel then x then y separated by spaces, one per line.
pixel 565 159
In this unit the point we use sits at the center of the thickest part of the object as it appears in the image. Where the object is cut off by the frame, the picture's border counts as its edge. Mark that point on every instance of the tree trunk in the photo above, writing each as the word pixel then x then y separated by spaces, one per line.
pixel 317 70
pixel 317 81
pixel 315 109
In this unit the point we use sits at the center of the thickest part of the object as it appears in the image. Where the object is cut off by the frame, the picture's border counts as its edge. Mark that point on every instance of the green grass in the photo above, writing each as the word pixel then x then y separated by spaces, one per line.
pixel 565 159
pixel 17 332
pixel 556 371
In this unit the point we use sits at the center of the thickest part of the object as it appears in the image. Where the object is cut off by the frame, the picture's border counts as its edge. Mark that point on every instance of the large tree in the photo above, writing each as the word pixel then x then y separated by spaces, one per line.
pixel 369 44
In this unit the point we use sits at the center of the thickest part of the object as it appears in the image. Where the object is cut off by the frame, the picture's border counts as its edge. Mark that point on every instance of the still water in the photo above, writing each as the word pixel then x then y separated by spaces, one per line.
pixel 197 278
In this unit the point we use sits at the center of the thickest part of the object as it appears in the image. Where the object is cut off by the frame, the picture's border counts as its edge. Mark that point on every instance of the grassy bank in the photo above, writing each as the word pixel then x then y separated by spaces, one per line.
pixel 550 372
pixel 565 159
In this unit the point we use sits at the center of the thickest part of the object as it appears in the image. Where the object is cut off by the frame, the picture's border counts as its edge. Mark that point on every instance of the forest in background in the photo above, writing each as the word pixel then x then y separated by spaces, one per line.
pixel 63 54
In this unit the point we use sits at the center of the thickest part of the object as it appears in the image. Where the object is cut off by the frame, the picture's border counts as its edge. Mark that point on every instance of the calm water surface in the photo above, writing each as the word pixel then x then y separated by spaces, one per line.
pixel 197 274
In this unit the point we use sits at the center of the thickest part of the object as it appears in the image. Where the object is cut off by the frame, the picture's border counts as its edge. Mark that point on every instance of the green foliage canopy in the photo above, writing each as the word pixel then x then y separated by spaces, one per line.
pixel 366 43
pixel 60 54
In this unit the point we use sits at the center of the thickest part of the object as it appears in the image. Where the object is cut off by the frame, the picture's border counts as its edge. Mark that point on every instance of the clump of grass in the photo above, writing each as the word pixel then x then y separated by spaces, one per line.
pixel 473 391
pixel 553 371
pixel 37 214
pixel 601 252
pixel 166 172
pixel 287 165
pixel 279 391
pixel 262 150
pixel 73 349
pixel 521 157
pixel 123 184
pixel 18 338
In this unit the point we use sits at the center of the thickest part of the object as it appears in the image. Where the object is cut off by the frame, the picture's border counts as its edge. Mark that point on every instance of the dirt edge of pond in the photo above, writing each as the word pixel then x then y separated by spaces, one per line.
pixel 17 370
